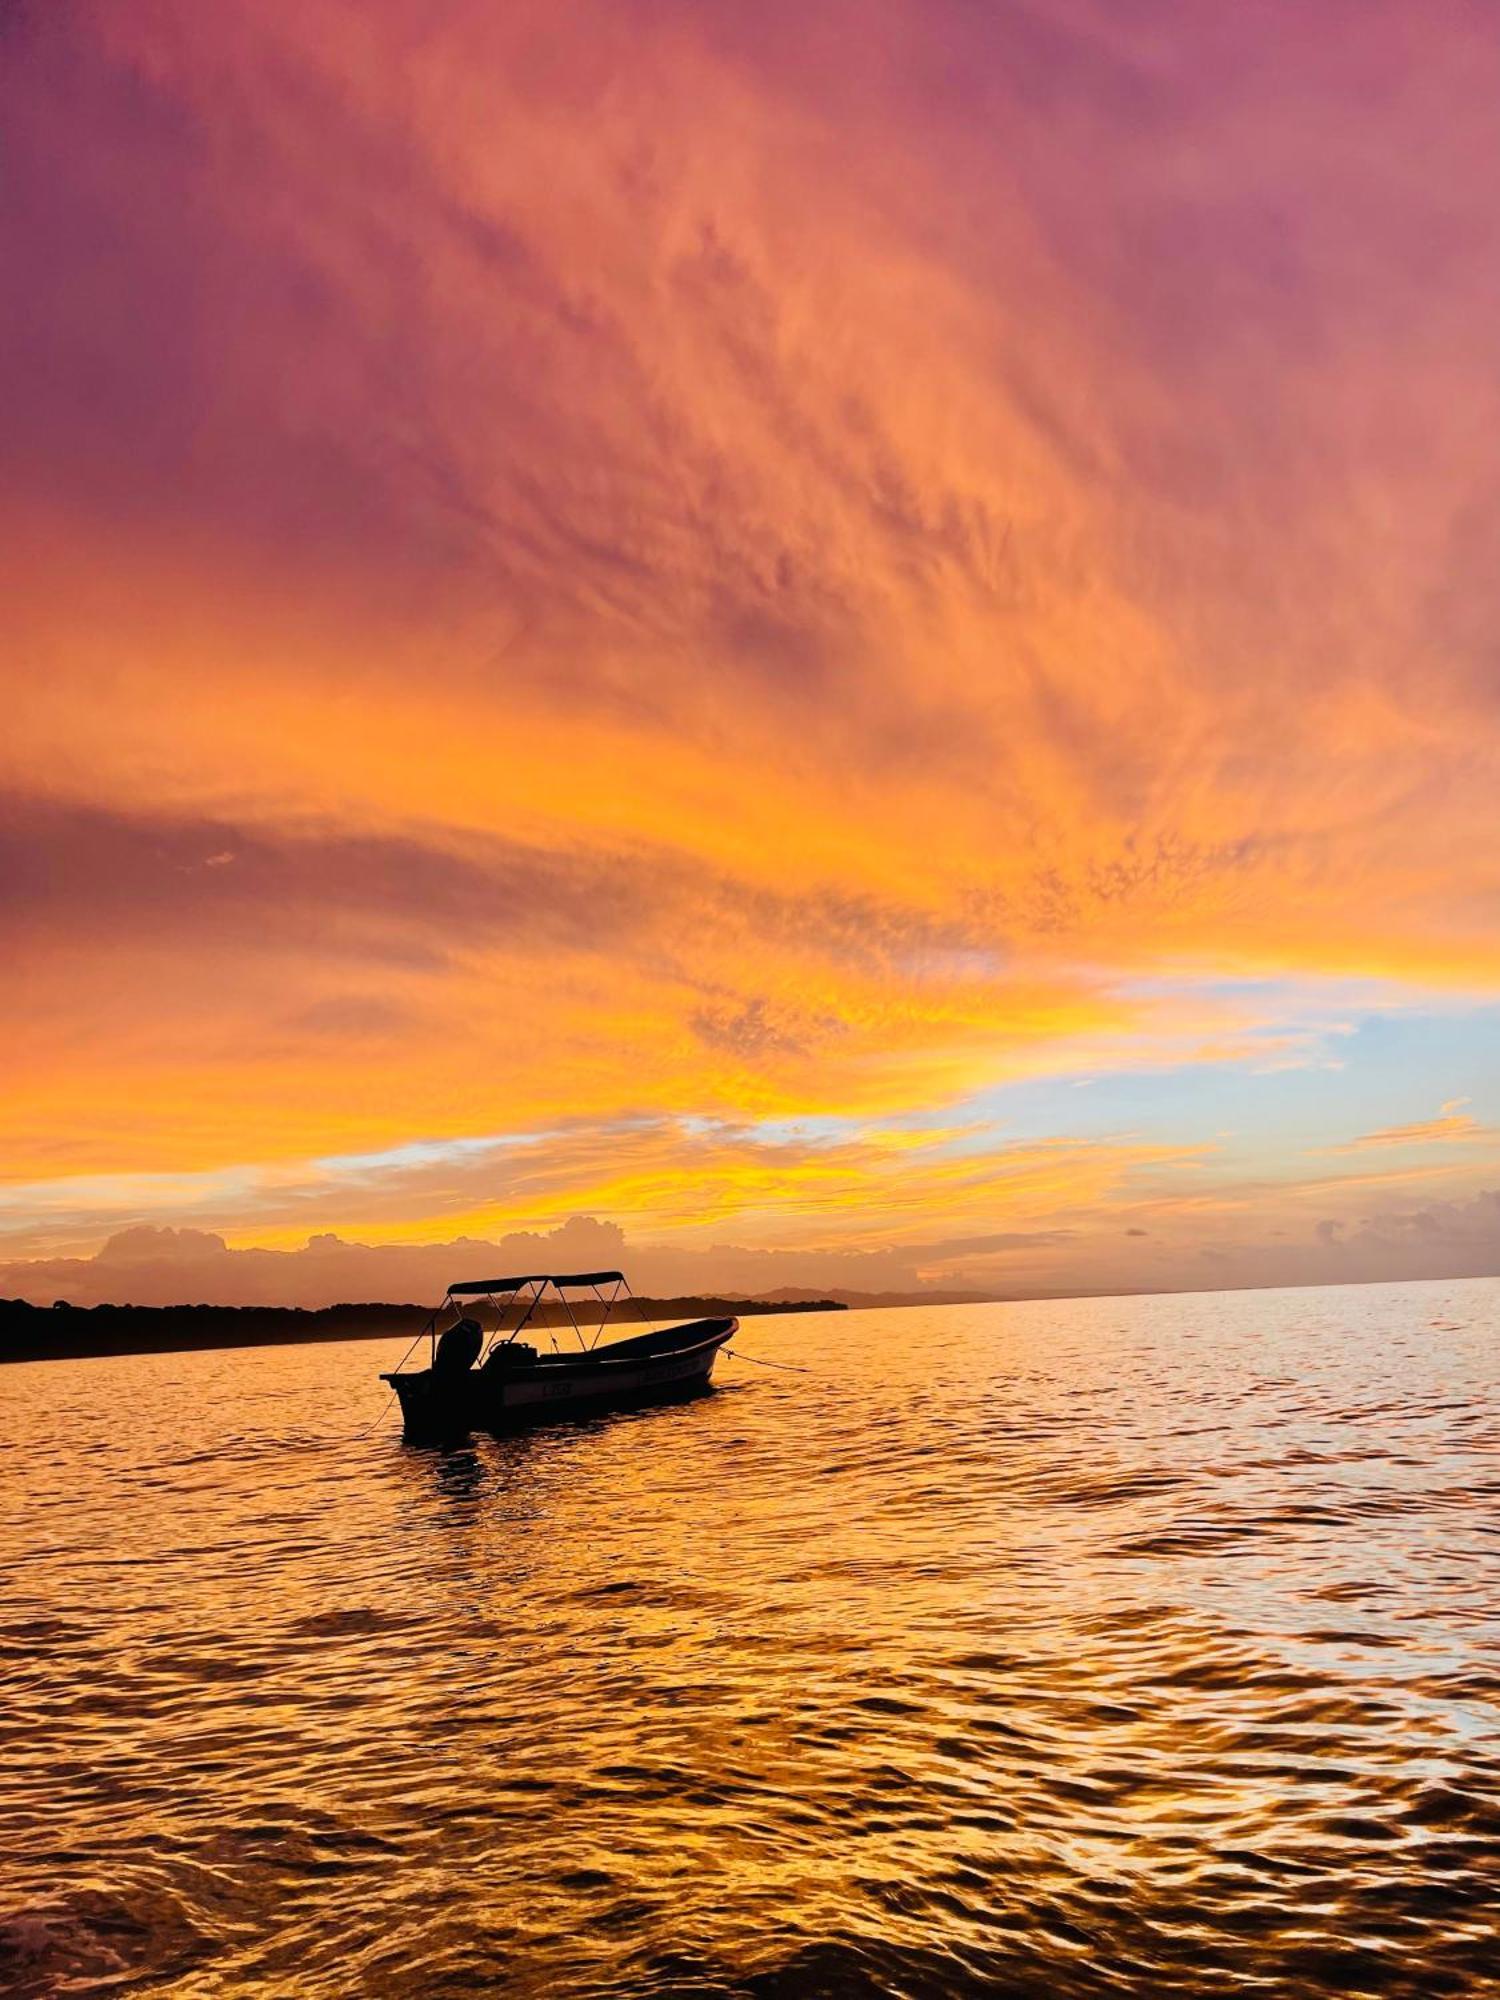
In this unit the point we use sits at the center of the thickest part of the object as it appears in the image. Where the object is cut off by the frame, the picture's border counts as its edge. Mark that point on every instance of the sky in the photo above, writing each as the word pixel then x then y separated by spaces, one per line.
pixel 851 645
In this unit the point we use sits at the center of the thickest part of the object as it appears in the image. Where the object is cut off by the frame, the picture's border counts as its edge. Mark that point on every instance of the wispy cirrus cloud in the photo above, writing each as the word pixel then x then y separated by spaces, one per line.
pixel 580 560
pixel 1451 1127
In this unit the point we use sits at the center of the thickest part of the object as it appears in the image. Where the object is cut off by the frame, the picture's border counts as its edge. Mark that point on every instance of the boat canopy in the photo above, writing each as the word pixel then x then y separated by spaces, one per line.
pixel 477 1288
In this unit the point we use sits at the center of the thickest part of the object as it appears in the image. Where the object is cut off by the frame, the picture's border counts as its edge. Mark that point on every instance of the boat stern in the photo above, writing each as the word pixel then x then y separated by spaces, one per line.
pixel 426 1408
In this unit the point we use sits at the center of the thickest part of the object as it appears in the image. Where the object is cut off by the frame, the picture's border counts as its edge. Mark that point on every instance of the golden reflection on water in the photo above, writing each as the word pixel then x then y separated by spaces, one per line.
pixel 1113 1647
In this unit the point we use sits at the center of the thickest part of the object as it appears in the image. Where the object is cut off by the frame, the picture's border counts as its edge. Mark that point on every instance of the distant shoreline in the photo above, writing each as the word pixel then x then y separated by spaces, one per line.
pixel 51 1333
pixel 75 1333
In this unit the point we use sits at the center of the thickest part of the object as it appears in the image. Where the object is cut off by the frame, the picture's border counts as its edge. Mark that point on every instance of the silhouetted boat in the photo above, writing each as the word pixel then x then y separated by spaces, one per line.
pixel 480 1380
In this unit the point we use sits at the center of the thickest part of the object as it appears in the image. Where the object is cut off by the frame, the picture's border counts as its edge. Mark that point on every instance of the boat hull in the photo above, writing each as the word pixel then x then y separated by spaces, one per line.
pixel 670 1366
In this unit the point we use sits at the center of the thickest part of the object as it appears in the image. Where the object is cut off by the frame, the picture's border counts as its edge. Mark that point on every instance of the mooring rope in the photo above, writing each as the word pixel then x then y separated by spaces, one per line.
pixel 791 1367
pixel 422 1333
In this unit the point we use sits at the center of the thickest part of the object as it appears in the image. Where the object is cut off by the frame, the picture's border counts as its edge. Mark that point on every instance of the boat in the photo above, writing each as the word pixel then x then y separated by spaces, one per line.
pixel 490 1379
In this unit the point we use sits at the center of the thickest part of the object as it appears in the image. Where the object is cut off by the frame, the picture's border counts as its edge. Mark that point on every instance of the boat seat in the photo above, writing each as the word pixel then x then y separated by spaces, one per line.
pixel 509 1355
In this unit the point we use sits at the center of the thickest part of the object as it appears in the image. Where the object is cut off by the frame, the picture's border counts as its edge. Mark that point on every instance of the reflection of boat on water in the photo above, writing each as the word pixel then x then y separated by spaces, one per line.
pixel 493 1380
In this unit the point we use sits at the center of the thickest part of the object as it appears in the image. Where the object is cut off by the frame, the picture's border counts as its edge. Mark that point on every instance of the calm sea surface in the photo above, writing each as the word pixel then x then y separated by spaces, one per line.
pixel 1126 1647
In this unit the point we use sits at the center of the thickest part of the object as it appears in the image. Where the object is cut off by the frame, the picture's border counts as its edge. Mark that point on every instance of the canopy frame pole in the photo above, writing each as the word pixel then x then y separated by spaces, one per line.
pixel 640 1310
pixel 608 1306
pixel 499 1327
pixel 568 1309
pixel 500 1312
pixel 535 1300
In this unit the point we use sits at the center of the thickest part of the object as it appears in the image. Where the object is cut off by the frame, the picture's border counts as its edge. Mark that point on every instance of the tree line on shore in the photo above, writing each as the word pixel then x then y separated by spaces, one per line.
pixel 30 1332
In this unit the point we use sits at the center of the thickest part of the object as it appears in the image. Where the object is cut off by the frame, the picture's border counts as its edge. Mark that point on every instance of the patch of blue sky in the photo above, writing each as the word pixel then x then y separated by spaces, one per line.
pixel 1326 1065
pixel 1298 1086
pixel 821 1130
pixel 422 1153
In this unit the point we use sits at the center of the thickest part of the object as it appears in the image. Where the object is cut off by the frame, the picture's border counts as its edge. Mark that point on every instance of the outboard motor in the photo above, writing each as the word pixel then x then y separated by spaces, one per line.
pixel 458 1349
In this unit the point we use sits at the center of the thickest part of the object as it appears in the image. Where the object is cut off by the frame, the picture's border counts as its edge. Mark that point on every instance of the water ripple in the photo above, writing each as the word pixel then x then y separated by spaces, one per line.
pixel 1113 1648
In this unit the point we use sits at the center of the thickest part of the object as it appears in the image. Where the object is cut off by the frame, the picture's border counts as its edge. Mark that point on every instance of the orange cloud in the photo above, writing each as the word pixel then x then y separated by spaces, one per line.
pixel 1451 1128
pixel 573 565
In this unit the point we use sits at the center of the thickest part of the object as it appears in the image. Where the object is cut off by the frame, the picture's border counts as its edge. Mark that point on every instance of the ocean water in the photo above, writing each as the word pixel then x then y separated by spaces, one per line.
pixel 1126 1647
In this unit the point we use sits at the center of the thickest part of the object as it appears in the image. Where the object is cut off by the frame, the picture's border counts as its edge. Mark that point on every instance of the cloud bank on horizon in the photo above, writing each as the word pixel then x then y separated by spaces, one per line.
pixel 695 617
pixel 151 1266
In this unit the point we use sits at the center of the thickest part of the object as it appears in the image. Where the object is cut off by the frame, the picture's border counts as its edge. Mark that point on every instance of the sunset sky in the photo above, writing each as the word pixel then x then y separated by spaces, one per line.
pixel 858 642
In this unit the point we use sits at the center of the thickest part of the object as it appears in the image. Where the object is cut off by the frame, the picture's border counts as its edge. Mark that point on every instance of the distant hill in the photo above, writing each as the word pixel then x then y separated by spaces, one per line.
pixel 64 1332
pixel 791 1296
